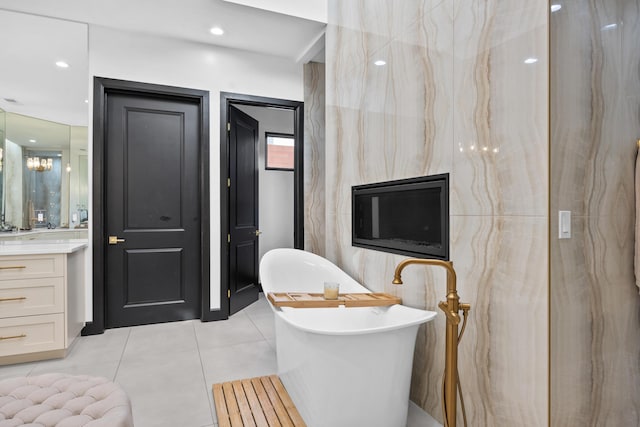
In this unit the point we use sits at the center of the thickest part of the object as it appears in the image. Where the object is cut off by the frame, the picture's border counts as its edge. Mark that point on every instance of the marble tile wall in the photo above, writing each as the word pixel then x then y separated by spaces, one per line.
pixel 595 123
pixel 454 96
pixel 314 157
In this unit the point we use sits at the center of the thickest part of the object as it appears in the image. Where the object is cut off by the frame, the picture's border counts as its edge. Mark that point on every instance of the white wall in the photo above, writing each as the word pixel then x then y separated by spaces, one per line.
pixel 275 187
pixel 143 58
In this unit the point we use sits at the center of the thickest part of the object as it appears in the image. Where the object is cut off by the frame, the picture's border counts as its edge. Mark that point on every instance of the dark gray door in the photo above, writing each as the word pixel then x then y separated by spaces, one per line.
pixel 243 210
pixel 153 269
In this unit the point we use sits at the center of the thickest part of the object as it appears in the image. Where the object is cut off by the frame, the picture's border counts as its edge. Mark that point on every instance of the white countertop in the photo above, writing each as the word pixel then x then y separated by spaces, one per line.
pixel 41 231
pixel 39 247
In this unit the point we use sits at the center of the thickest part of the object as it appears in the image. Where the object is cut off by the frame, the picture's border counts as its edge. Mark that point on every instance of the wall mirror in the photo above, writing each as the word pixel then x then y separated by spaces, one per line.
pixel 43 123
pixel 2 162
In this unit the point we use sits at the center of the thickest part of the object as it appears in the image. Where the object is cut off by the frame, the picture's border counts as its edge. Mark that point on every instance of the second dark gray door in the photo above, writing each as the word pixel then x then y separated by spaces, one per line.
pixel 152 215
pixel 243 210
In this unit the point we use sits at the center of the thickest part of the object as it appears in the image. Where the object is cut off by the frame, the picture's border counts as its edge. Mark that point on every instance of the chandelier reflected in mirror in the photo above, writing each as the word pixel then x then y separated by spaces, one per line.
pixel 39 164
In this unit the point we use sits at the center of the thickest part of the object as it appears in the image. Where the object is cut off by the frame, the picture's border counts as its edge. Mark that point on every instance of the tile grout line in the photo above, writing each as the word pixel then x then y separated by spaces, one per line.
pixel 35 365
pixel 257 327
pixel 124 348
pixel 259 330
pixel 204 377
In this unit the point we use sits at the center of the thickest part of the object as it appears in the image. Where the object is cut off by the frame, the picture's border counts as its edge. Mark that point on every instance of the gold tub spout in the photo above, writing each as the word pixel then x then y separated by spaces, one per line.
pixel 451 308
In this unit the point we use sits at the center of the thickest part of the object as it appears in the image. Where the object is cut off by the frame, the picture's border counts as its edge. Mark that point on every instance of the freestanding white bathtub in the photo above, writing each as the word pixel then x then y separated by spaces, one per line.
pixel 343 367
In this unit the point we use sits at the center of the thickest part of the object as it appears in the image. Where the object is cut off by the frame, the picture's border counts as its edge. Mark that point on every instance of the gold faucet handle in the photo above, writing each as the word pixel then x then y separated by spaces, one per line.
pixel 453 317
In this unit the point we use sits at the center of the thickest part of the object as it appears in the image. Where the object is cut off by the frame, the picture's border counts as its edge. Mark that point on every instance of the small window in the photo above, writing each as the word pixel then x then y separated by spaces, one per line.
pixel 279 152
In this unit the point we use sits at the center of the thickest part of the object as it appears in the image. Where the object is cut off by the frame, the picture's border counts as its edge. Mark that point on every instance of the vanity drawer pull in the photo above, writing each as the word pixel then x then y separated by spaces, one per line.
pixel 13 337
pixel 13 267
pixel 12 299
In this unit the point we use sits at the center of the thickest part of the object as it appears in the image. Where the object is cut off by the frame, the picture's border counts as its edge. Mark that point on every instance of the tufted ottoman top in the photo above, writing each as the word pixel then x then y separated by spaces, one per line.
pixel 60 400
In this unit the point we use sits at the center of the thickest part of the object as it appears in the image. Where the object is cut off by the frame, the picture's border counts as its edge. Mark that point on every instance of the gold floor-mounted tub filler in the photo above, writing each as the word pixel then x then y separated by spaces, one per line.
pixel 451 308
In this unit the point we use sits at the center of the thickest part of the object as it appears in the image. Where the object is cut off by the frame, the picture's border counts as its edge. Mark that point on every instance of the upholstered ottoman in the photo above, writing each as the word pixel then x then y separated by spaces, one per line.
pixel 60 400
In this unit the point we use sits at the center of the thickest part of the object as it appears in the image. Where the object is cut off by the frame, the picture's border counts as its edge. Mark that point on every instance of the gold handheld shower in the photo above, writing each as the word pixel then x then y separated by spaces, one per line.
pixel 451 308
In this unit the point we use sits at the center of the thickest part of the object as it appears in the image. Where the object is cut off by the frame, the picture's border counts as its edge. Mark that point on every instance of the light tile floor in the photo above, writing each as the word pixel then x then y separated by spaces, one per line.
pixel 168 369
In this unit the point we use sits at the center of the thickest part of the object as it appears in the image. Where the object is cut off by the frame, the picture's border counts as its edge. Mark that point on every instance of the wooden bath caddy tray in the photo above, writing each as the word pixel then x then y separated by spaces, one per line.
pixel 310 300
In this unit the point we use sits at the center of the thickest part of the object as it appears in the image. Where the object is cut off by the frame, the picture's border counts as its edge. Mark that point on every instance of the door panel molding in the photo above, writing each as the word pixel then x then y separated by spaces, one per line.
pixel 173 264
pixel 102 88
pixel 297 107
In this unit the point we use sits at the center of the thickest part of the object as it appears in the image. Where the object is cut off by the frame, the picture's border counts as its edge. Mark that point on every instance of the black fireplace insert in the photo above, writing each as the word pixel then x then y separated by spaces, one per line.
pixel 407 217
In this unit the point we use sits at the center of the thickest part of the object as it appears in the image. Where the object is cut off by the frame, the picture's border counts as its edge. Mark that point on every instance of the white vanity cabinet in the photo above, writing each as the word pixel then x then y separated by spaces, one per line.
pixel 41 300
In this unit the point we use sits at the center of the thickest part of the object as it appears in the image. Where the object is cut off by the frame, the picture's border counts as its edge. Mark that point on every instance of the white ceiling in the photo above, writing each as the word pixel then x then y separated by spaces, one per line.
pixel 32 42
pixel 245 27
pixel 315 10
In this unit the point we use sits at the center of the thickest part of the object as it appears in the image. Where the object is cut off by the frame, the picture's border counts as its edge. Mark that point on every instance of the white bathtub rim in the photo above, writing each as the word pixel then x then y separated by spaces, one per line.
pixel 401 317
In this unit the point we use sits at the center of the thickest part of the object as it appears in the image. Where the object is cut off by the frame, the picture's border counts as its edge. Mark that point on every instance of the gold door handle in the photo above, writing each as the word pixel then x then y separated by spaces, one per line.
pixel 258 232
pixel 13 337
pixel 114 240
pixel 12 299
pixel 13 267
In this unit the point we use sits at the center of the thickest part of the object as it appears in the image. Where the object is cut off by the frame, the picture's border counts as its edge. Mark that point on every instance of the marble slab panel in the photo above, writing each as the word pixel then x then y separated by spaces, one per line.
pixel 411 105
pixel 314 157
pixel 392 121
pixel 629 15
pixel 418 60
pixel 366 151
pixel 383 17
pixel 501 108
pixel 570 344
pixel 502 271
pixel 570 107
pixel 595 345
pixel 594 126
pixel 595 320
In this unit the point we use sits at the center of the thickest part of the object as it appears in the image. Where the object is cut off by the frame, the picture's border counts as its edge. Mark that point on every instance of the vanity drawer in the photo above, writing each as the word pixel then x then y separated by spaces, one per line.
pixel 31 297
pixel 31 266
pixel 20 335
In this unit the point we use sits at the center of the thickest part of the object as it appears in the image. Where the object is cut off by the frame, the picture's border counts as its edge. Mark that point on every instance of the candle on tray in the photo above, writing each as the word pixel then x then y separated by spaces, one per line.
pixel 331 290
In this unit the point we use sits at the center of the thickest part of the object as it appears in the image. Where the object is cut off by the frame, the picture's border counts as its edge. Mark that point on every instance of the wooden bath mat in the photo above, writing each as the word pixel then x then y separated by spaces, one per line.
pixel 312 300
pixel 255 402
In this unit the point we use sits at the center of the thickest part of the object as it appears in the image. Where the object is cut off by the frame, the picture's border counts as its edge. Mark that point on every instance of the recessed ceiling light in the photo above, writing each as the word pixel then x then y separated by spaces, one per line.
pixel 380 63
pixel 62 64
pixel 32 140
pixel 556 7
pixel 217 31
pixel 609 27
pixel 86 101
pixel 531 60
